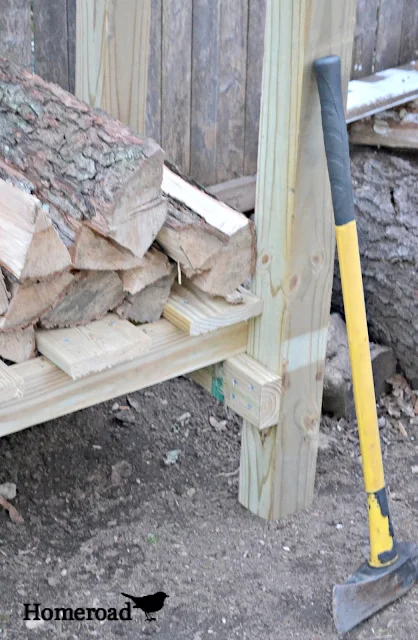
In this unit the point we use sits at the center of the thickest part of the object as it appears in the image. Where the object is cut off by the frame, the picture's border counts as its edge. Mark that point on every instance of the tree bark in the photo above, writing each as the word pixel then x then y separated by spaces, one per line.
pixel 386 200
pixel 80 162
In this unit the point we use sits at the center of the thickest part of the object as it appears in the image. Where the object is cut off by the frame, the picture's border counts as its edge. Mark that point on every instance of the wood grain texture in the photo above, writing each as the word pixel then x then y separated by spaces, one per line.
pixel 176 81
pixel 255 55
pixel 409 38
pixel 16 31
pixel 232 82
pixel 71 31
pixel 205 89
pixel 397 128
pixel 11 384
pixel 50 393
pixel 154 73
pixel 389 34
pixel 19 345
pixel 195 312
pixel 252 391
pixel 97 346
pixel 51 40
pixel 112 57
pixel 238 193
pixel 295 251
pixel 381 91
pixel 365 36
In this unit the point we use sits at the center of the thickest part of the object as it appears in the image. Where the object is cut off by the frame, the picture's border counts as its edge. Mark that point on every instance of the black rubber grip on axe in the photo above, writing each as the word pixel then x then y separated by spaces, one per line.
pixel 328 77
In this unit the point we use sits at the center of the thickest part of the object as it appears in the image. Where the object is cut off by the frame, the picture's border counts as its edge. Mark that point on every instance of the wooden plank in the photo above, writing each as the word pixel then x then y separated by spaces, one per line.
pixel 365 38
pixel 51 40
pixel 232 80
pixel 389 34
pixel 252 391
pixel 11 384
pixel 71 33
pixel 255 55
pixel 238 193
pixel 381 91
pixel 295 251
pixel 97 346
pixel 50 393
pixel 154 73
pixel 215 213
pixel 176 82
pixel 196 313
pixel 112 57
pixel 409 40
pixel 16 31
pixel 397 129
pixel 205 89
pixel 246 387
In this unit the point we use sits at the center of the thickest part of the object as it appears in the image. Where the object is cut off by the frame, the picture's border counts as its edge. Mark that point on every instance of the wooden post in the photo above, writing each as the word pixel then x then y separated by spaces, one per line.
pixel 295 250
pixel 112 56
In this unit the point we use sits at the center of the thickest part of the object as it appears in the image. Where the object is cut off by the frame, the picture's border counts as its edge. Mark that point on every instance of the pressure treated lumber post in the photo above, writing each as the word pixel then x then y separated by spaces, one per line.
pixel 112 57
pixel 295 250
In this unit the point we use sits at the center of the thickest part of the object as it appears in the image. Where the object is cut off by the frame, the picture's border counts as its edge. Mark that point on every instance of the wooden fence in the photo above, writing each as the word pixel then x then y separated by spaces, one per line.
pixel 205 68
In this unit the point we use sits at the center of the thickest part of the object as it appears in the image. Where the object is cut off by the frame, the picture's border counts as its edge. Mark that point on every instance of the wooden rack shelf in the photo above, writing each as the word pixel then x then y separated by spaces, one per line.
pixel 47 392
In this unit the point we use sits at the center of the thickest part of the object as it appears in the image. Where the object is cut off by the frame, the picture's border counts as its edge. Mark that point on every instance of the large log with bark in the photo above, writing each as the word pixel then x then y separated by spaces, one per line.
pixel 386 200
pixel 79 162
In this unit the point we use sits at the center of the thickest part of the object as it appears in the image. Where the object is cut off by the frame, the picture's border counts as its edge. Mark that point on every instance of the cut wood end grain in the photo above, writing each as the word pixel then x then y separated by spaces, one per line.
pixel 94 347
pixel 195 312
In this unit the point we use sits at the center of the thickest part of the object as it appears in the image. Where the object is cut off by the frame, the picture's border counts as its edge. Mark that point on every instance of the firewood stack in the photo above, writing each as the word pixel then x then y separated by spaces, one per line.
pixel 87 210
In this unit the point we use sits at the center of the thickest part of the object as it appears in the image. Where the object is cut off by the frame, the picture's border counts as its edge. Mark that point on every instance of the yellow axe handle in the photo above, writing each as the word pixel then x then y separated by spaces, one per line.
pixel 328 75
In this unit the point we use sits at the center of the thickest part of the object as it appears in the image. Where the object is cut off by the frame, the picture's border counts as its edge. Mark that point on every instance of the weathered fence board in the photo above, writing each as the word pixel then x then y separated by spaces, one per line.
pixel 409 38
pixel 232 82
pixel 389 33
pixel 176 81
pixel 365 36
pixel 154 73
pixel 53 58
pixel 205 89
pixel 205 66
pixel 255 56
pixel 16 31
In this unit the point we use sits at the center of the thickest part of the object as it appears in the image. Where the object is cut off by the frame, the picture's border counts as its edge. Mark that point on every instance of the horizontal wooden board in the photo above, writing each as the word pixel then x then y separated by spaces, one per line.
pixel 195 312
pixel 381 91
pixel 238 193
pixel 50 393
pixel 99 345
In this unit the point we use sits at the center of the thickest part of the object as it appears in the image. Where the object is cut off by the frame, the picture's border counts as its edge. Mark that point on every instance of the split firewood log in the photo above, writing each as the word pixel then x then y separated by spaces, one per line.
pixel 89 297
pixel 79 162
pixel 214 244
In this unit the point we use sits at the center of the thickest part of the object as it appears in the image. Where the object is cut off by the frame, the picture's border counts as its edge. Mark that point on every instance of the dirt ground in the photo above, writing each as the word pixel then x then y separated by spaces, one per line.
pixel 104 513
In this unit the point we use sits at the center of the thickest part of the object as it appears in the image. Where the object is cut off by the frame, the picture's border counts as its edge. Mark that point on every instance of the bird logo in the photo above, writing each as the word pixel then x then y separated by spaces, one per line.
pixel 148 604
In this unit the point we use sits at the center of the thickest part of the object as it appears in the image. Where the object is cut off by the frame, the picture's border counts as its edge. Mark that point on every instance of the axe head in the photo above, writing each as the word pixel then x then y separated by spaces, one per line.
pixel 369 589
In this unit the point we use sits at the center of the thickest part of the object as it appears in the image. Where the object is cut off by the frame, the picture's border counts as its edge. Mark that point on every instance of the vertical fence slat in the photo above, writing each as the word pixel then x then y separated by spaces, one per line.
pixel 71 28
pixel 176 81
pixel 409 42
pixel 16 31
pixel 365 37
pixel 232 81
pixel 205 89
pixel 256 27
pixel 51 41
pixel 389 34
pixel 112 57
pixel 154 73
